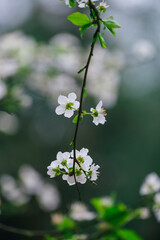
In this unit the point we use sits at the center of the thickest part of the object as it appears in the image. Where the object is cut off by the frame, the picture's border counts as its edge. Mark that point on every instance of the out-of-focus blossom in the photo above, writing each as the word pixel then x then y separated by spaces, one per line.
pixel 31 179
pixel 3 89
pixel 19 46
pixel 48 197
pixel 105 86
pixel 157 213
pixel 144 49
pixel 157 198
pixel 106 201
pixel 79 212
pixel 8 123
pixel 151 184
pixel 144 213
pixel 8 67
pixel 11 191
pixel 57 218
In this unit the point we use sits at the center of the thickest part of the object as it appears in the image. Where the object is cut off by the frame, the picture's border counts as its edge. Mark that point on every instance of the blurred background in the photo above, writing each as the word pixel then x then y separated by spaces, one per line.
pixel 40 54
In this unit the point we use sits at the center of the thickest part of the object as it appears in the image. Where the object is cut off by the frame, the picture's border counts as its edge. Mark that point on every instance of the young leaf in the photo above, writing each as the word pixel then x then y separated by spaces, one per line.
pixel 85 94
pixel 72 3
pixel 126 234
pixel 79 19
pixel 75 119
pixel 102 41
pixel 111 24
pixel 81 70
pixel 84 27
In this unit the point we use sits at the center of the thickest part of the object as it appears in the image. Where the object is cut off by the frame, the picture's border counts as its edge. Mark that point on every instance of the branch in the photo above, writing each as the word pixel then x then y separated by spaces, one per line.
pixel 97 21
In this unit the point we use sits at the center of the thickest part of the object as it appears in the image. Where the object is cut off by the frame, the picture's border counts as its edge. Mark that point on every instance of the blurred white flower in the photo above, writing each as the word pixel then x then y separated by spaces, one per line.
pixel 11 191
pixel 107 201
pixel 31 180
pixel 98 114
pixel 144 49
pixel 105 86
pixel 8 67
pixel 48 197
pixel 67 105
pixel 151 184
pixel 157 213
pixel 144 213
pixel 57 218
pixel 19 46
pixel 79 212
pixel 157 198
pixel 3 89
pixel 8 123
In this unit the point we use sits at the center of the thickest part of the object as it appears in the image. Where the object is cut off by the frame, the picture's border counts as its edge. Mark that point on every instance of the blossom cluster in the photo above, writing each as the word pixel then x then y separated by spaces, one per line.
pixel 83 3
pixel 30 184
pixel 84 167
pixel 68 105
pixel 151 187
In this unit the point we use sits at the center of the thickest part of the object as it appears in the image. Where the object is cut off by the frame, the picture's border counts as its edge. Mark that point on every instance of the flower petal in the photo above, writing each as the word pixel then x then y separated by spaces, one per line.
pixel 84 152
pixel 99 106
pixel 59 156
pixel 69 113
pixel 72 97
pixel 62 99
pixel 76 105
pixel 60 110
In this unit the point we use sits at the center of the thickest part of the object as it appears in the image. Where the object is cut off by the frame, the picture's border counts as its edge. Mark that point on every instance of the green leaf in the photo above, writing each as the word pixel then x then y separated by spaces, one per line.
pixel 102 41
pixel 75 119
pixel 84 27
pixel 117 215
pixel 66 224
pixel 85 94
pixel 111 24
pixel 126 234
pixel 81 70
pixel 72 144
pixel 72 3
pixel 79 19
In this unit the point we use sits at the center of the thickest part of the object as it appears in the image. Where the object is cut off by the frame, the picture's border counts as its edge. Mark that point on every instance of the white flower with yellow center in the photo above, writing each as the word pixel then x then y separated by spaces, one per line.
pixel 98 114
pixel 67 105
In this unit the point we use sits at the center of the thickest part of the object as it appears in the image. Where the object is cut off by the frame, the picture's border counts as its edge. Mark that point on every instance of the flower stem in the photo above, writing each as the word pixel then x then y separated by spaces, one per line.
pixel 97 19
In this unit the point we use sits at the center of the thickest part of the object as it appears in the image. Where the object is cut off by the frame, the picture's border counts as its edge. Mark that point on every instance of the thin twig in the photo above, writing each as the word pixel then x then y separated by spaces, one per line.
pixel 25 232
pixel 92 7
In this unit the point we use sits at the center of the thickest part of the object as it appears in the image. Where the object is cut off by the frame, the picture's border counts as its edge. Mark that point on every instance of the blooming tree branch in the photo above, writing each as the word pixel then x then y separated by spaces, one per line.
pixel 77 166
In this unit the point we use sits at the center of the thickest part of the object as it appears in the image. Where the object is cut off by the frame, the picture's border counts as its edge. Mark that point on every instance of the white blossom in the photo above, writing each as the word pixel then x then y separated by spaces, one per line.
pixel 67 105
pixel 157 198
pixel 12 191
pixel 144 49
pixel 53 169
pixel 93 173
pixel 104 4
pixel 79 174
pixel 31 179
pixel 83 158
pixel 151 184
pixel 144 213
pixel 79 212
pixel 98 114
pixel 48 197
pixel 157 213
